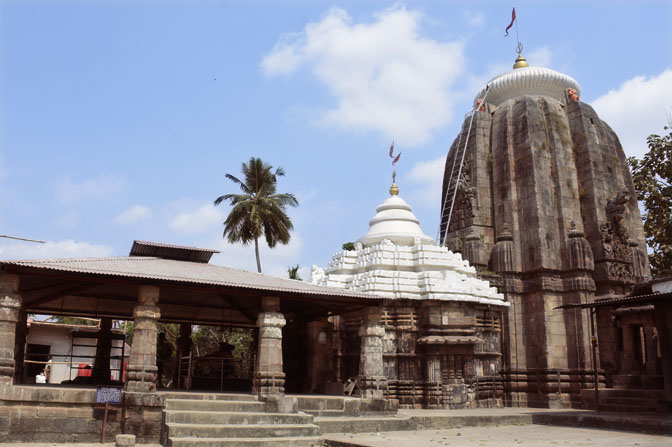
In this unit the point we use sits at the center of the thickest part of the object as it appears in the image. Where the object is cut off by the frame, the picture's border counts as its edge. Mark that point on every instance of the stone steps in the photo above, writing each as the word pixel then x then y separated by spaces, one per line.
pixel 226 417
pixel 215 405
pixel 237 421
pixel 626 400
pixel 182 395
pixel 243 430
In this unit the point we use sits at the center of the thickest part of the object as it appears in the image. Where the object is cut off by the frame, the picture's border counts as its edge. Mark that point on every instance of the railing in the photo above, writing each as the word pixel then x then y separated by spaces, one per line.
pixel 214 371
pixel 78 366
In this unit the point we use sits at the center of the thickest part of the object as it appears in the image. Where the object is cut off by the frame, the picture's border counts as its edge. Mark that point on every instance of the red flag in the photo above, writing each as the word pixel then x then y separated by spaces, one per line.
pixel 392 150
pixel 396 159
pixel 513 19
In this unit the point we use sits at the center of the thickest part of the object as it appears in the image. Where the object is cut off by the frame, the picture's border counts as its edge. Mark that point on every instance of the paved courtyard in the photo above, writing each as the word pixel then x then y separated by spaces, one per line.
pixel 502 436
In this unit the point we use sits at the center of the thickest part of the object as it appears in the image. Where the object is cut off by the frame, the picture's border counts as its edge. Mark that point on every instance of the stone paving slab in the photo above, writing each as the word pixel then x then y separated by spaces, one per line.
pixel 508 436
pixel 654 423
pixel 68 444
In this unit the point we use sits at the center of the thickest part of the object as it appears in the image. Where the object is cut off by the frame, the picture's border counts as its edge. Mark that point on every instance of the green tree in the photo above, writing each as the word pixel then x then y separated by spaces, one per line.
pixel 652 176
pixel 259 210
pixel 349 246
pixel 293 273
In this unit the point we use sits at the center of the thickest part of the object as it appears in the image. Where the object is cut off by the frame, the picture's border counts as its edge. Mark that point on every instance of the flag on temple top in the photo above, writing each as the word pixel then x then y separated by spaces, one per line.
pixel 392 150
pixel 513 19
pixel 396 159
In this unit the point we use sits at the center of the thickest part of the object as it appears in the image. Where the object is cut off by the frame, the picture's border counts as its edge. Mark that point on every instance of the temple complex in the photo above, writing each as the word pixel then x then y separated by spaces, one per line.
pixel 537 293
pixel 442 325
pixel 537 190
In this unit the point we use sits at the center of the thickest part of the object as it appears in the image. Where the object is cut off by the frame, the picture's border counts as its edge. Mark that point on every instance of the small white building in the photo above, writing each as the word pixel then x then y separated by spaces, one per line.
pixel 72 349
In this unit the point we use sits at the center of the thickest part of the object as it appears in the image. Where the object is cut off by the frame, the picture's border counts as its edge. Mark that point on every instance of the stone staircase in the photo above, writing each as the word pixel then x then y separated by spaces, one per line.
pixel 194 420
pixel 626 400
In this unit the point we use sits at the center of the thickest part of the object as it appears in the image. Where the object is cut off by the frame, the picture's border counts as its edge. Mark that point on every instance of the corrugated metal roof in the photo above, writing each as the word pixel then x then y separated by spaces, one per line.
pixel 141 267
pixel 170 251
pixel 620 301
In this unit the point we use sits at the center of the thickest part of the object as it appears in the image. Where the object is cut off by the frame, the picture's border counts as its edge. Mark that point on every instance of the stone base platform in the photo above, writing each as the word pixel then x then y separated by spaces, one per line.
pixel 412 420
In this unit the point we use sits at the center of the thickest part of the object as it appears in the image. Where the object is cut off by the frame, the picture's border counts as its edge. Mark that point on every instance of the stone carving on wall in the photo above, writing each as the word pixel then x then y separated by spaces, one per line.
pixel 614 234
pixel 615 238
pixel 619 271
pixel 317 274
pixel 465 202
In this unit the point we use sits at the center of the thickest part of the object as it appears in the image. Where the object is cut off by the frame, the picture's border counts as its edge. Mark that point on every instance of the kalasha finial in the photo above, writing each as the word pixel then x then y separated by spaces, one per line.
pixel 394 190
pixel 520 62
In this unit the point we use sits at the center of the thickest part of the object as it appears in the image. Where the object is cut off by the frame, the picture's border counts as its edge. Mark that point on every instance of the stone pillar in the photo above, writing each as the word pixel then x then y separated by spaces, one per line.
pixel 372 381
pixel 433 380
pixel 320 344
pixel 651 349
pixel 10 307
pixel 20 346
pixel 269 378
pixel 663 314
pixel 629 359
pixel 184 345
pixel 101 364
pixel 142 370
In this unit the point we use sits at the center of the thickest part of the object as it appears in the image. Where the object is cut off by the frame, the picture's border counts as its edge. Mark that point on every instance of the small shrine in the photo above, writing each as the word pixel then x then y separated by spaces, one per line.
pixel 442 324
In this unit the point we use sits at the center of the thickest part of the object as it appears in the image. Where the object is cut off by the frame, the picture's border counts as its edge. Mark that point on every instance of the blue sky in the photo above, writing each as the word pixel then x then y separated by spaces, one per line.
pixel 119 119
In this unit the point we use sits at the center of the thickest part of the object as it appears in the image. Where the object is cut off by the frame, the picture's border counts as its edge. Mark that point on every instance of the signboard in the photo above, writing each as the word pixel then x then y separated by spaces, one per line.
pixel 108 395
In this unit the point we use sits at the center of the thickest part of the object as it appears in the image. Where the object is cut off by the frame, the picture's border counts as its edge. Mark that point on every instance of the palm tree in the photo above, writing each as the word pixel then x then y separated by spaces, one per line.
pixel 293 273
pixel 259 210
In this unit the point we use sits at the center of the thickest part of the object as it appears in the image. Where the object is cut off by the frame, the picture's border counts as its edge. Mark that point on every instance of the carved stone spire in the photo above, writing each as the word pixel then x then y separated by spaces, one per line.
pixel 474 251
pixel 579 253
pixel 639 261
pixel 501 258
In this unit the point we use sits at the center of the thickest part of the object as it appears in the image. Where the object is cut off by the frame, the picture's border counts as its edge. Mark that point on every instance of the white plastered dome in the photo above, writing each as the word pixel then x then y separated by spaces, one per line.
pixel 395 221
pixel 535 81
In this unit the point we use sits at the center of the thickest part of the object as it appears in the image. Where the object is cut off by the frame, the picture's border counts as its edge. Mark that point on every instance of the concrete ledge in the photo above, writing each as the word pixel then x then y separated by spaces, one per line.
pixel 652 423
pixel 655 423
pixel 40 394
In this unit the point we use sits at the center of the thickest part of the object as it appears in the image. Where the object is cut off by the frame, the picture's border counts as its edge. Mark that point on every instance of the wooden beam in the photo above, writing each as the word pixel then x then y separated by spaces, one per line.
pixel 250 316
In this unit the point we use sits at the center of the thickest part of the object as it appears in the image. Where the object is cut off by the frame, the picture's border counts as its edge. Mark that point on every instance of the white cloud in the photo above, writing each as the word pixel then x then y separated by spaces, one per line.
pixel 637 109
pixel 104 187
pixel 428 178
pixel 205 218
pixel 61 249
pixel 133 215
pixel 474 18
pixel 385 76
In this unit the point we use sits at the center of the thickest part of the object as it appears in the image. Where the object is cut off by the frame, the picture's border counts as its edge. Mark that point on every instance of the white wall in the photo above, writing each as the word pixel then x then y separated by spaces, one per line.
pixel 59 338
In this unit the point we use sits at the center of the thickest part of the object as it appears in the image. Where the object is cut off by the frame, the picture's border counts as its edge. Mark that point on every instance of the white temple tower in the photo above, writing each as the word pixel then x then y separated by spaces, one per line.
pixel 442 324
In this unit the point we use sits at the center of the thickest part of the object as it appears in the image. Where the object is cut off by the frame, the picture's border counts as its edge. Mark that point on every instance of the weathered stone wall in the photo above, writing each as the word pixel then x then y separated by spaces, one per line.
pixel 65 415
pixel 38 414
pixel 435 354
pixel 551 178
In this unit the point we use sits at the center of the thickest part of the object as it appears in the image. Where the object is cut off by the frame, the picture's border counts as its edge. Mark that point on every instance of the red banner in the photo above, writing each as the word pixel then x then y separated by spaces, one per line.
pixel 513 19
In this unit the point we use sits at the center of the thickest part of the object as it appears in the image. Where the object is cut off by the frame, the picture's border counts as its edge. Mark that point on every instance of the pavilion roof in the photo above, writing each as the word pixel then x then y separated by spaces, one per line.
pixel 179 271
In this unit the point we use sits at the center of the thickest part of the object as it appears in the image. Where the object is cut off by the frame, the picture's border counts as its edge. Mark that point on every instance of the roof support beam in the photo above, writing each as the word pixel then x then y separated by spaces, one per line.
pixel 250 316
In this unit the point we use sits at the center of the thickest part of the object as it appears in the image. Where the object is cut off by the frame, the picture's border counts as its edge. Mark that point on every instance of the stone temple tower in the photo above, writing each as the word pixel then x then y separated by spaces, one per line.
pixel 544 200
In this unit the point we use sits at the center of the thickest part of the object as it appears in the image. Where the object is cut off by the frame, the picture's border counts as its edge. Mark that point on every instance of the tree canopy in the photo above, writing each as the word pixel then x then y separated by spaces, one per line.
pixel 259 210
pixel 293 273
pixel 652 176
